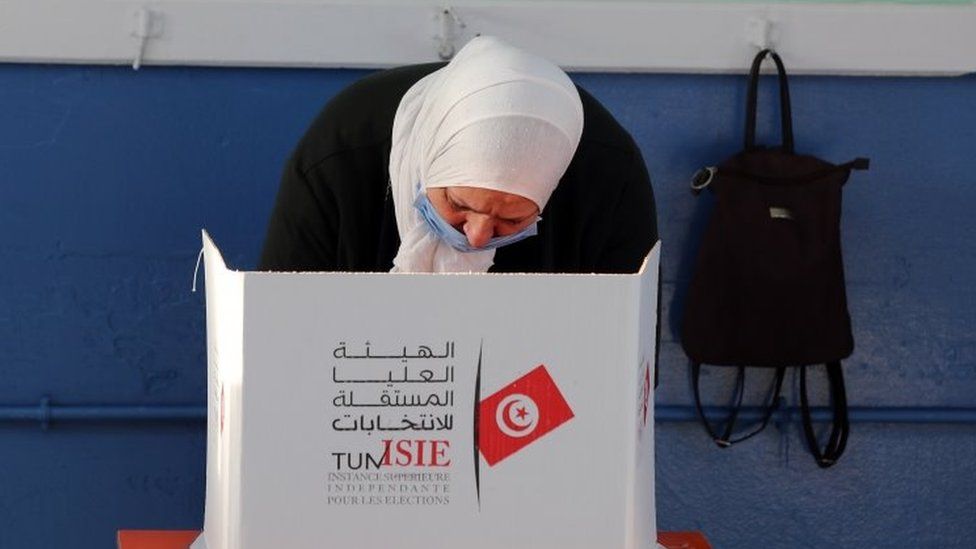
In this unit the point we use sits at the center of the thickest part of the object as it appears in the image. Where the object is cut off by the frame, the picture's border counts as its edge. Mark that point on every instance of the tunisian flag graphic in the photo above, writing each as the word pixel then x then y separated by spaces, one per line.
pixel 519 414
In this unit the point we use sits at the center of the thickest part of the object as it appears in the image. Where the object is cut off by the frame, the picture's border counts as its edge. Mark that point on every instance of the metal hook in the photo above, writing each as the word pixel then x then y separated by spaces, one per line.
pixel 450 25
pixel 702 179
pixel 759 31
pixel 146 24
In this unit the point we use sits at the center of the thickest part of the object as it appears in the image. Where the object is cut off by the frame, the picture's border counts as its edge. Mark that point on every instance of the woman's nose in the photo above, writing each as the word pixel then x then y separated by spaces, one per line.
pixel 479 229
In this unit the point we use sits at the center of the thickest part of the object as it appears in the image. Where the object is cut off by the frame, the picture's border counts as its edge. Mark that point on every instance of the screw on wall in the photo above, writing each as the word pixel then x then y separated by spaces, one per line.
pixel 145 24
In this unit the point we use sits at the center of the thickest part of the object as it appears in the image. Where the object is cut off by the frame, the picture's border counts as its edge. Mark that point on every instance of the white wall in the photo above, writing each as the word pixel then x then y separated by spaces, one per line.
pixel 580 35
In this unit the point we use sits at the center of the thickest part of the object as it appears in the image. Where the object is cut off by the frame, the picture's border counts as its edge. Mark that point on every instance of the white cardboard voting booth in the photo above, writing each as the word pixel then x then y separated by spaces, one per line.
pixel 425 411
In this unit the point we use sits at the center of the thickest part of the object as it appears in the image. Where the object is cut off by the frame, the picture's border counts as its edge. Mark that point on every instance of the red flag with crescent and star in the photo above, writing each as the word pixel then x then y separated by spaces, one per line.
pixel 519 414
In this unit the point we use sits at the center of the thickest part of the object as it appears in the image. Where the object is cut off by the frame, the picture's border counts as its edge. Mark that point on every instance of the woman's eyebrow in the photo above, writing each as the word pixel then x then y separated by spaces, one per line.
pixel 457 202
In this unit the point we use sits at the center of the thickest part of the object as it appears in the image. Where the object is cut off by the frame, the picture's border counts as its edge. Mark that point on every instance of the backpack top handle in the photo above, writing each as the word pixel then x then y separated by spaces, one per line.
pixel 786 115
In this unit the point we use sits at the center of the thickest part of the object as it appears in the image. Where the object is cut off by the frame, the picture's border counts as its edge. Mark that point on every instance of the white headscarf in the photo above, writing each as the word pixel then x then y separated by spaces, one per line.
pixel 495 117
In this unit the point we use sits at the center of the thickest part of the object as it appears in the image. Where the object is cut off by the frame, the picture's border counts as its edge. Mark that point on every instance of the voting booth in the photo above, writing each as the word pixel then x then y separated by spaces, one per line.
pixel 425 411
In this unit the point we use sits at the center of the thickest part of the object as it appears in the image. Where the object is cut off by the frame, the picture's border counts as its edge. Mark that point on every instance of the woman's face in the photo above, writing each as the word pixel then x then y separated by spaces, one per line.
pixel 482 213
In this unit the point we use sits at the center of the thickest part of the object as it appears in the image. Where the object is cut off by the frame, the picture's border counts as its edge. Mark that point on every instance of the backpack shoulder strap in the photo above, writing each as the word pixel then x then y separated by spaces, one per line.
pixel 770 405
pixel 840 428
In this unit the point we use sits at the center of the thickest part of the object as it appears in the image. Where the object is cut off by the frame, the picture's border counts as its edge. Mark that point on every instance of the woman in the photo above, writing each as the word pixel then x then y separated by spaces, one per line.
pixel 483 164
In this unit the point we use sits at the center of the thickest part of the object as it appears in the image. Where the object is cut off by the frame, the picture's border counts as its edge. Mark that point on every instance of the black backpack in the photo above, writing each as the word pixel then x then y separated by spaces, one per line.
pixel 768 282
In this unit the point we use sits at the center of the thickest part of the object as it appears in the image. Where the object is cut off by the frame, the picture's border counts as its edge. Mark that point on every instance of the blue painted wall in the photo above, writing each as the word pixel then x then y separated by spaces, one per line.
pixel 107 175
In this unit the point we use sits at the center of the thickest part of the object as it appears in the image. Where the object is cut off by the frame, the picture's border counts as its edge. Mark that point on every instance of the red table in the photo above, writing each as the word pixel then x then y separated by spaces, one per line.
pixel 181 539
pixel 156 539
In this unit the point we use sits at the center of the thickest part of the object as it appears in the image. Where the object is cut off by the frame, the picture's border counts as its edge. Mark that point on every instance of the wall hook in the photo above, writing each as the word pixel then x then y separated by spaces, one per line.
pixel 759 32
pixel 146 24
pixel 450 27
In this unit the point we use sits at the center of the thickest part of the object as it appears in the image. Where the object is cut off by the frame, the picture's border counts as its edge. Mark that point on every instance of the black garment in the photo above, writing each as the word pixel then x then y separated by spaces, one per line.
pixel 334 210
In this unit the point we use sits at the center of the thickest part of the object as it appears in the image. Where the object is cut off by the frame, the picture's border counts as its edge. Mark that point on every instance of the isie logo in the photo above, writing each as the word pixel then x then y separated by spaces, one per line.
pixel 519 414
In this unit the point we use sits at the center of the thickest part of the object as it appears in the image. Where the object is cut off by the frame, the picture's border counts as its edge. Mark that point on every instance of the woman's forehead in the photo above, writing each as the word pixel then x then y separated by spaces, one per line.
pixel 491 201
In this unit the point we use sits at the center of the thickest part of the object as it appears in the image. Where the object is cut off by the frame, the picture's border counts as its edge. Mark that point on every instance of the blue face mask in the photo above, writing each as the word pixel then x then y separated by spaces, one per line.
pixel 457 240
